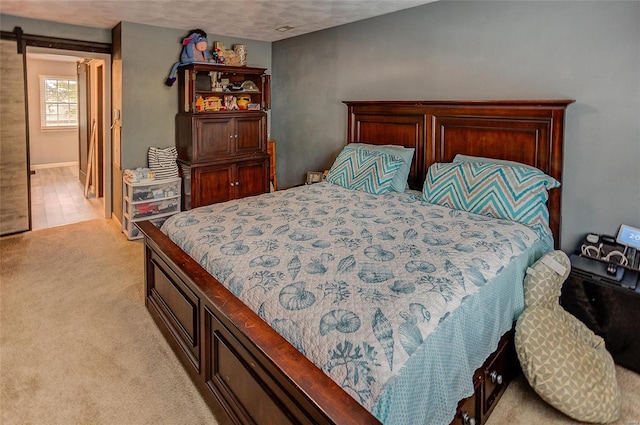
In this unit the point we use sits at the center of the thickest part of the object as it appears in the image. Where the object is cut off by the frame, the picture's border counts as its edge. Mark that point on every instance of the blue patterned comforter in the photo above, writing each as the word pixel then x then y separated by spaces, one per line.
pixel 356 282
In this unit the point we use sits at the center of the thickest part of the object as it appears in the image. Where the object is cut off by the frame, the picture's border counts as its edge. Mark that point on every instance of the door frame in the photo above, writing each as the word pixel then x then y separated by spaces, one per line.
pixel 91 105
pixel 81 48
pixel 105 118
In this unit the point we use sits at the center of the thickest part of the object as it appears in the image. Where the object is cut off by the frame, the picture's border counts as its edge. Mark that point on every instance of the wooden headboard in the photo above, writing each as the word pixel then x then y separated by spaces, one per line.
pixel 527 131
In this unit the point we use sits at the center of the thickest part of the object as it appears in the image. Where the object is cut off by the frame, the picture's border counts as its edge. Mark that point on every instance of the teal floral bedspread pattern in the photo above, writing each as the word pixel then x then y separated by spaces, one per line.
pixel 356 282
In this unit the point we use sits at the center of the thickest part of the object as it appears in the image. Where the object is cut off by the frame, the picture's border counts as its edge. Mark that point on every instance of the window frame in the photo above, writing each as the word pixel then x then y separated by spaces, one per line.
pixel 44 125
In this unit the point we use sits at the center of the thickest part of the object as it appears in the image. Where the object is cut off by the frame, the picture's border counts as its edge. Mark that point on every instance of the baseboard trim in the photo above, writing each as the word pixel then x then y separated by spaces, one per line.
pixel 114 218
pixel 53 165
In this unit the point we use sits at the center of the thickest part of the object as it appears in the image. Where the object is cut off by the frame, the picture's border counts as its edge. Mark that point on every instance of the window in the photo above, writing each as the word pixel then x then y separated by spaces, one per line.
pixel 59 102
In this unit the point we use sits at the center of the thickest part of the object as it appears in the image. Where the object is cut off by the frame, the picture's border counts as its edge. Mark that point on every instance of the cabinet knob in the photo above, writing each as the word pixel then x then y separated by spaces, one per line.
pixel 232 184
pixel 496 378
pixel 468 420
pixel 237 183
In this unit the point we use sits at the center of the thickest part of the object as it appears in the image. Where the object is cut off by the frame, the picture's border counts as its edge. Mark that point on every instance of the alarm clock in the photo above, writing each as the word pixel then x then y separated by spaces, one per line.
pixel 629 236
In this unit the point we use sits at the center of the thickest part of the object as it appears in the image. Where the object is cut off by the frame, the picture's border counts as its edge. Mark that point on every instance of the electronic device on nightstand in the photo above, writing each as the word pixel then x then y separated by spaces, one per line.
pixel 630 238
pixel 610 260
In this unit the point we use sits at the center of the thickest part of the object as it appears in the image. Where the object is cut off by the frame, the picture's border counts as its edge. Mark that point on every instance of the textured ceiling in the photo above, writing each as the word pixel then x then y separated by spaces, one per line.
pixel 252 19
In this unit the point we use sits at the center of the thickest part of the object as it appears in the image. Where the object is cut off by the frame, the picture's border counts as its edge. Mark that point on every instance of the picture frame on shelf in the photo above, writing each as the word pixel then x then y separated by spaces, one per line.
pixel 314 177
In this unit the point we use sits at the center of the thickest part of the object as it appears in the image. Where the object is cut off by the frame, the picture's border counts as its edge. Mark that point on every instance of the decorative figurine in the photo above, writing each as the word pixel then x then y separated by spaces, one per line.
pixel 194 50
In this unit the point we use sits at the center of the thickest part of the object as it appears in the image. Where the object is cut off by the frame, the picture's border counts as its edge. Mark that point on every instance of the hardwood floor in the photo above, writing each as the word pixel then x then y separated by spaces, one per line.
pixel 57 198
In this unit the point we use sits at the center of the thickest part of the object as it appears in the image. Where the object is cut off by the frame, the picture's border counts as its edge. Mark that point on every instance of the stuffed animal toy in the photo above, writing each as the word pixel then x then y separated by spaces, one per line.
pixel 194 49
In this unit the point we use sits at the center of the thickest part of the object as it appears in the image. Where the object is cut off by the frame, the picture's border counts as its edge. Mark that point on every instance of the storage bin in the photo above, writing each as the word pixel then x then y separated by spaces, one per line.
pixel 155 201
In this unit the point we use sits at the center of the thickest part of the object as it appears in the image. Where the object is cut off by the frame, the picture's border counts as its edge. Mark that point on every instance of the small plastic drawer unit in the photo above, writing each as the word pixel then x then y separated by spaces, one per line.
pixel 153 200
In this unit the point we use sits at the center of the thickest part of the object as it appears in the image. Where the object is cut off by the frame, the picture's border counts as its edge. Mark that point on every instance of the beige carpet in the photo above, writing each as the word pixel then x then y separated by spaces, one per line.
pixel 77 345
pixel 520 405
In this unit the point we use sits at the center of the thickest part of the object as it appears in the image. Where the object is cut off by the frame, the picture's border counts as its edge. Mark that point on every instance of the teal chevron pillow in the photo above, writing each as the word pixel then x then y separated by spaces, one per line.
pixel 399 183
pixel 517 193
pixel 364 169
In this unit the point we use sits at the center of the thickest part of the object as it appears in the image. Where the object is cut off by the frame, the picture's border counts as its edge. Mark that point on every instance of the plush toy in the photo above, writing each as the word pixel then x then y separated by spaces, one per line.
pixel 218 55
pixel 194 49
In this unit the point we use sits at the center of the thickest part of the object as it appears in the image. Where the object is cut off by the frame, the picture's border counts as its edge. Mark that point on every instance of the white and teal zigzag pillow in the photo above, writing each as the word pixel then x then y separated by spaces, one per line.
pixel 517 193
pixel 363 169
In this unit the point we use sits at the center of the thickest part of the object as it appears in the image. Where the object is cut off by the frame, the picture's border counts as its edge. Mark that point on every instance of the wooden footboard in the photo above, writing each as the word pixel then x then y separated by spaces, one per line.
pixel 246 372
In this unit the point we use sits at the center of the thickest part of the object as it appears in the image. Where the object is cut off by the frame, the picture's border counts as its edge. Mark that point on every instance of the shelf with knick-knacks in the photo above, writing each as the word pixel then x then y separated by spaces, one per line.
pixel 210 88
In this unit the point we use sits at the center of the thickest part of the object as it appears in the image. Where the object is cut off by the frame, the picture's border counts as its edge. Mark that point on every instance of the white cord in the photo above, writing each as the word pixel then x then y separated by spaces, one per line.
pixel 596 252
pixel 591 250
pixel 623 260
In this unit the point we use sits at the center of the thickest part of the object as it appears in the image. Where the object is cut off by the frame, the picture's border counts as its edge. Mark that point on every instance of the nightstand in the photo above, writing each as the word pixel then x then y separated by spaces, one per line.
pixel 608 309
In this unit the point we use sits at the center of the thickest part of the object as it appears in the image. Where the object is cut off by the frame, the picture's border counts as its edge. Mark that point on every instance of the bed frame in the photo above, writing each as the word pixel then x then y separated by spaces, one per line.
pixel 246 372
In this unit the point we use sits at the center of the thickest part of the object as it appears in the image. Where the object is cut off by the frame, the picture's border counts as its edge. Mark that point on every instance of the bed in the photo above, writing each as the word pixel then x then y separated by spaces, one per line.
pixel 247 359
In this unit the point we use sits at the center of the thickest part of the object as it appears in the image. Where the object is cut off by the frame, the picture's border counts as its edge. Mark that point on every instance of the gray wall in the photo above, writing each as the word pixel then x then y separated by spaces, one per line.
pixel 148 106
pixel 53 29
pixel 588 51
pixel 141 65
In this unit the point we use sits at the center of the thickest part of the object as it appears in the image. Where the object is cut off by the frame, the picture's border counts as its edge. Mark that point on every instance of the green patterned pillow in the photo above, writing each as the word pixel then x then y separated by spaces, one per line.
pixel 399 183
pixel 364 169
pixel 563 360
pixel 567 365
pixel 517 193
pixel 543 281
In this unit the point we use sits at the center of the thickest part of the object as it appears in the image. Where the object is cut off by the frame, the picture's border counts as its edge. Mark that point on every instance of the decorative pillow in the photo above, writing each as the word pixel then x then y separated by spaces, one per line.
pixel 399 183
pixel 364 169
pixel 575 375
pixel 543 282
pixel 468 158
pixel 517 193
pixel 563 360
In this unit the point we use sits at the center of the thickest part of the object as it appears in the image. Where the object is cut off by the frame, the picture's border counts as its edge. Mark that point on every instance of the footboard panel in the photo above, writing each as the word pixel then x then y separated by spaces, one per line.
pixel 175 304
pixel 248 390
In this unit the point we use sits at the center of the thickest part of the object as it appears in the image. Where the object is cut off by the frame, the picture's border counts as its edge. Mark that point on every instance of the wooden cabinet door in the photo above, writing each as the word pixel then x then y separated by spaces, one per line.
pixel 214 138
pixel 220 183
pixel 252 177
pixel 212 184
pixel 250 134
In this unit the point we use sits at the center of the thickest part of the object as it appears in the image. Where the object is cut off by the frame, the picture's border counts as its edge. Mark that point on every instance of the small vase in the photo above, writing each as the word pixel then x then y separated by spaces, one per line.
pixel 241 51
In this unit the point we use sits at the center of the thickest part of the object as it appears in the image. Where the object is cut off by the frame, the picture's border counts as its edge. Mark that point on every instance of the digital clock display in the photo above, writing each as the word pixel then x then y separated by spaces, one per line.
pixel 629 236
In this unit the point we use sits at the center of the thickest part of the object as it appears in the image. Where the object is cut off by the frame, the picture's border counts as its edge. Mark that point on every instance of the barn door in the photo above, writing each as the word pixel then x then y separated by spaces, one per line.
pixel 14 147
